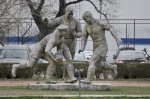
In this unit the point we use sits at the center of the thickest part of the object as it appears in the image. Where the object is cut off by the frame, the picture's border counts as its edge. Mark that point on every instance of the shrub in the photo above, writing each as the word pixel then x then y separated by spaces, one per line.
pixel 133 70
pixel 124 70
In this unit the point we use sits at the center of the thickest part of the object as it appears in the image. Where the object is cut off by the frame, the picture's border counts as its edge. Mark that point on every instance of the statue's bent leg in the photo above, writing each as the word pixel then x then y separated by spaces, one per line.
pixel 113 68
pixel 15 67
pixel 34 55
pixel 91 69
pixel 100 72
pixel 50 71
pixel 69 64
pixel 70 71
pixel 90 76
pixel 65 75
pixel 71 45
pixel 49 74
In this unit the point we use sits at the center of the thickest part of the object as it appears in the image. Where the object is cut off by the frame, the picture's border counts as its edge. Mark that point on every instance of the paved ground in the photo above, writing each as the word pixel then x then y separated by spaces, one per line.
pixel 114 83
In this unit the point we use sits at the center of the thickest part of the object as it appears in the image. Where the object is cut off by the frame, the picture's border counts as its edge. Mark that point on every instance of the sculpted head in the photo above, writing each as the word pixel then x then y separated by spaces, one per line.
pixel 87 17
pixel 63 29
pixel 69 12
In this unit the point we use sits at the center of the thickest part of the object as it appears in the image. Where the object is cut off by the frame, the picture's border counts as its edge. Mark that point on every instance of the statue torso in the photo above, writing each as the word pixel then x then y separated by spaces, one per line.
pixel 96 32
pixel 53 37
pixel 72 26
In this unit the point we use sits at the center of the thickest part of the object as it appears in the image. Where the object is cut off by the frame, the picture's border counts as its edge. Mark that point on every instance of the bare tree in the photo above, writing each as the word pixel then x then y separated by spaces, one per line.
pixel 12 11
pixel 10 20
pixel 5 6
pixel 37 10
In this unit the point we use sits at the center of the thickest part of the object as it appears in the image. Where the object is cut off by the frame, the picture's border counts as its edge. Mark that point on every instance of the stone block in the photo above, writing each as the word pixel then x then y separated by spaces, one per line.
pixel 67 86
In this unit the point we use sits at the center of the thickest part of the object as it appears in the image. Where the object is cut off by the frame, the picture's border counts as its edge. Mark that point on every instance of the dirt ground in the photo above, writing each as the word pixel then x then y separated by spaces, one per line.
pixel 142 83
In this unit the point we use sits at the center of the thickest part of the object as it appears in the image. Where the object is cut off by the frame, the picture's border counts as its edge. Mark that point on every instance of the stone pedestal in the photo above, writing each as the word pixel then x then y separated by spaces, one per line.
pixel 67 86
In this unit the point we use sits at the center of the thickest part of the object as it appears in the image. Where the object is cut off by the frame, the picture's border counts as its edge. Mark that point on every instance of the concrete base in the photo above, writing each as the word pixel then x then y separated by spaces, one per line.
pixel 67 86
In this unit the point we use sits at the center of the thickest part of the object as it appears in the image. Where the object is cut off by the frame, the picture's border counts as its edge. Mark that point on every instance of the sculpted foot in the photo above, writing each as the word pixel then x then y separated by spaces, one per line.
pixel 86 81
pixel 71 81
pixel 51 82
pixel 13 71
pixel 114 71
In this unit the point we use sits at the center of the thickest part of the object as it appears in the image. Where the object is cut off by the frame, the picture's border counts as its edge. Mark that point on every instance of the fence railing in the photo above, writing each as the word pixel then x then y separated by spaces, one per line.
pixel 132 31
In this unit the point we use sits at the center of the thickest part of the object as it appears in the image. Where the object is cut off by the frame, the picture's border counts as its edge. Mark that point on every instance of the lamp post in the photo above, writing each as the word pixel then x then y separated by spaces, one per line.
pixel 100 5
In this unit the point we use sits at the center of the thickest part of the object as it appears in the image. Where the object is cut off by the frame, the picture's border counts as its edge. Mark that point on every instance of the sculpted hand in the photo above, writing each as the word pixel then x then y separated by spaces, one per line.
pixel 58 56
pixel 77 35
pixel 119 42
pixel 80 51
pixel 56 60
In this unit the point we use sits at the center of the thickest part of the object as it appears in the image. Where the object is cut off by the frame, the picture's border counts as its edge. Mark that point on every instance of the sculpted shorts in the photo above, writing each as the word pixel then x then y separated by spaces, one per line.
pixel 37 50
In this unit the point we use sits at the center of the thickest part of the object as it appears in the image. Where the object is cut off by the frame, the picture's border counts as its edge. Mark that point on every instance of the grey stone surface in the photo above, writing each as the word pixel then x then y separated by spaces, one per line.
pixel 67 86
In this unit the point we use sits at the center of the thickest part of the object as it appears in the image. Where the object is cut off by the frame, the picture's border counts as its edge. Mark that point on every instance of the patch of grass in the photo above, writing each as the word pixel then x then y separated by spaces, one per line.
pixel 76 97
pixel 131 90
pixel 22 90
pixel 13 87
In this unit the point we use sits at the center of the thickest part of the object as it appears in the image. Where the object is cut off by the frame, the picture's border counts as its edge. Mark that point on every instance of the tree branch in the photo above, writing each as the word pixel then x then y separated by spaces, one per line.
pixel 62 6
pixel 40 6
pixel 73 2
pixel 77 1
pixel 98 10
pixel 30 4
pixel 2 1
pixel 35 13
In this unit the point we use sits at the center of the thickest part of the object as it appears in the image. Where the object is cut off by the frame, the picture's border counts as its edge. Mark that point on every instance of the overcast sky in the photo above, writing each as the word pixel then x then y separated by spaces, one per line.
pixel 134 9
pixel 126 9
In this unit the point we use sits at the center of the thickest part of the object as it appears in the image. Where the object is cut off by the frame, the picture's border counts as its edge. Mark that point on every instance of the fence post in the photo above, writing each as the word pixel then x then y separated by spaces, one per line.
pixel 126 35
pixel 134 33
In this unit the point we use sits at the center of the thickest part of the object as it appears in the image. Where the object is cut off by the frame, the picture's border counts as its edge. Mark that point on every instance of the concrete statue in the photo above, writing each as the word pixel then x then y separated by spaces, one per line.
pixel 74 27
pixel 45 46
pixel 69 39
pixel 96 29
pixel 69 44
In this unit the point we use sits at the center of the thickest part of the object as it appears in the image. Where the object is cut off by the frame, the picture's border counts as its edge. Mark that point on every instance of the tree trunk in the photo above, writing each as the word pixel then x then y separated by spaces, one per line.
pixel 62 6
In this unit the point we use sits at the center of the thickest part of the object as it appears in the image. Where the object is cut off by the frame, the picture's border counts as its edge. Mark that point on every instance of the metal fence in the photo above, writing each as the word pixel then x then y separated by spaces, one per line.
pixel 132 31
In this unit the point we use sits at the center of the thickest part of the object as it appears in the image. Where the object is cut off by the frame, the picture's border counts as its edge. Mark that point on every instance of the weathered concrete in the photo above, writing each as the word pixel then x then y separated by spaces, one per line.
pixel 67 86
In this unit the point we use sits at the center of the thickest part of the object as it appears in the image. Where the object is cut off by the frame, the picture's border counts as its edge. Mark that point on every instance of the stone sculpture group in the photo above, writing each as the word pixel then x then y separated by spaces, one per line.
pixel 64 38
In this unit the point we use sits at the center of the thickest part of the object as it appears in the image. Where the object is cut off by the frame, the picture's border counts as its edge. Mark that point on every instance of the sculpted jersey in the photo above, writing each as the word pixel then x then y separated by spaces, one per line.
pixel 74 25
pixel 97 33
pixel 44 41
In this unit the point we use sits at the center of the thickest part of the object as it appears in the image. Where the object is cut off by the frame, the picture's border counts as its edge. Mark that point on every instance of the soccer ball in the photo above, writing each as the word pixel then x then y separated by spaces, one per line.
pixel 59 56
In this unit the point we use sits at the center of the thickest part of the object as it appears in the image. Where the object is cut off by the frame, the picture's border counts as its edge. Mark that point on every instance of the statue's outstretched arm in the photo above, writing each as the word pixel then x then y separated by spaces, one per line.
pixel 48 49
pixel 110 28
pixel 54 22
pixel 83 40
pixel 118 40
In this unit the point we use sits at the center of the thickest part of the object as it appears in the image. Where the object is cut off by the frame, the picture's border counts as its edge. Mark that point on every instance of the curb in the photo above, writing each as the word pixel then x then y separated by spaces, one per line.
pixel 84 96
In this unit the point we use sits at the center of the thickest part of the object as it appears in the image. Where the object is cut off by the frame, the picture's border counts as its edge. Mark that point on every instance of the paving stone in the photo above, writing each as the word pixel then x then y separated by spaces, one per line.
pixel 67 86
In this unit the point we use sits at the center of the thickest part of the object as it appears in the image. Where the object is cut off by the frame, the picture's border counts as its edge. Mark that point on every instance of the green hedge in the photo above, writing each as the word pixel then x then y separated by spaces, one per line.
pixel 5 70
pixel 133 70
pixel 124 70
